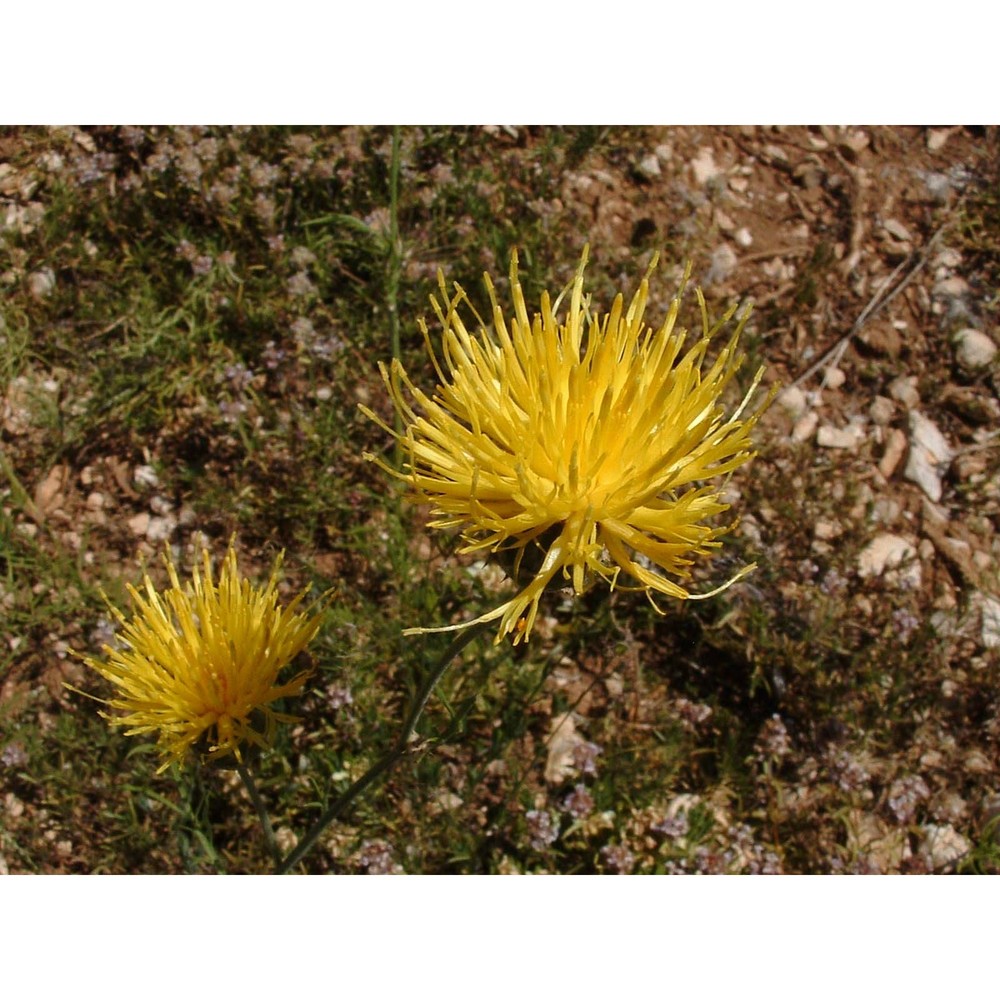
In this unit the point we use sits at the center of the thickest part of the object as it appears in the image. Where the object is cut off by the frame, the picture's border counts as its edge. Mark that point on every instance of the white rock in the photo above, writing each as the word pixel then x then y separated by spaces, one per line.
pixel 793 400
pixel 930 455
pixel 938 186
pixel 833 378
pixel 724 221
pixel 895 447
pixel 648 167
pixel 893 556
pixel 41 283
pixel 840 437
pixel 896 229
pixel 948 257
pixel 159 529
pixel 942 845
pixel 805 427
pixel 563 741
pixel 145 475
pixel 991 622
pixel 950 288
pixel 881 411
pixel 904 390
pixel 885 510
pixel 973 349
pixel 936 138
pixel 722 266
pixel 704 166
pixel 139 523
pixel 743 237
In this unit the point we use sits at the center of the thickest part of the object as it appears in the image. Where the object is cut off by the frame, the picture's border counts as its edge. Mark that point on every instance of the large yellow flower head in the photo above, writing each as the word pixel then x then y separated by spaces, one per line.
pixel 200 663
pixel 589 436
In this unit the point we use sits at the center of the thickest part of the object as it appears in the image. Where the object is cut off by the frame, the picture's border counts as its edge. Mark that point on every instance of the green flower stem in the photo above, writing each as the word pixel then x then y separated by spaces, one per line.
pixel 385 763
pixel 258 802
pixel 394 263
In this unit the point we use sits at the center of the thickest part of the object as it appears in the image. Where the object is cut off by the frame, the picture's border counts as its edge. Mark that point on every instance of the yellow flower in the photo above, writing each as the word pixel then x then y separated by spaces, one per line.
pixel 587 436
pixel 200 663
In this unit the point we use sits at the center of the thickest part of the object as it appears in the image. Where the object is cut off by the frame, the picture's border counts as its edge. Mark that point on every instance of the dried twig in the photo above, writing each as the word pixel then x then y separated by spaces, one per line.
pixel 882 297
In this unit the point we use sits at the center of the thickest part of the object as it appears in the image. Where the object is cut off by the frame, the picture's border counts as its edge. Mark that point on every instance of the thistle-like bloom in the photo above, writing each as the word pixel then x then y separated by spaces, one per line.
pixel 589 436
pixel 200 663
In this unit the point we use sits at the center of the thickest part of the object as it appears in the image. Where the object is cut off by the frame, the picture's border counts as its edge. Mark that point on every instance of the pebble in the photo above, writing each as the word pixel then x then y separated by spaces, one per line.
pixel 936 138
pixel 886 510
pixel 938 186
pixel 895 446
pixel 827 530
pixel 904 390
pixel 949 257
pixel 722 266
pixel 833 378
pixel 805 427
pixel 885 555
pixel 724 221
pixel 743 237
pixel 704 167
pixel 793 400
pixel 145 475
pixel 648 167
pixel 881 411
pixel 896 229
pixel 139 523
pixel 840 437
pixel 991 622
pixel 41 283
pixel 930 455
pixel 159 529
pixel 943 845
pixel 973 349
pixel 950 288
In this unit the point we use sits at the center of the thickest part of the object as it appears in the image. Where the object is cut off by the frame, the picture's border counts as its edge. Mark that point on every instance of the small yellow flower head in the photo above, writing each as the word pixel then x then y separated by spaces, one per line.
pixel 200 663
pixel 589 436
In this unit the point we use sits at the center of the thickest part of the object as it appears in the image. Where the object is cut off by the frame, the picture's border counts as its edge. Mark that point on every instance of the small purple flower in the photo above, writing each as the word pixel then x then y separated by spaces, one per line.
pixel 833 583
pixel 618 858
pixel 772 740
pixel 850 774
pixel 104 634
pixel 579 803
pixel 905 623
pixel 905 794
pixel 232 409
pixel 375 857
pixel 238 375
pixel 186 250
pixel 807 569
pixel 300 285
pixel 541 828
pixel 273 355
pixel 13 755
pixel 673 826
pixel 585 758
pixel 691 714
pixel 338 695
pixel 202 264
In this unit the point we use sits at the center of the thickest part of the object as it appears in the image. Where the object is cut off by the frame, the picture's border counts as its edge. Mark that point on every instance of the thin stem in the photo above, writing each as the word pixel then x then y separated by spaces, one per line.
pixel 258 802
pixel 394 265
pixel 398 750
